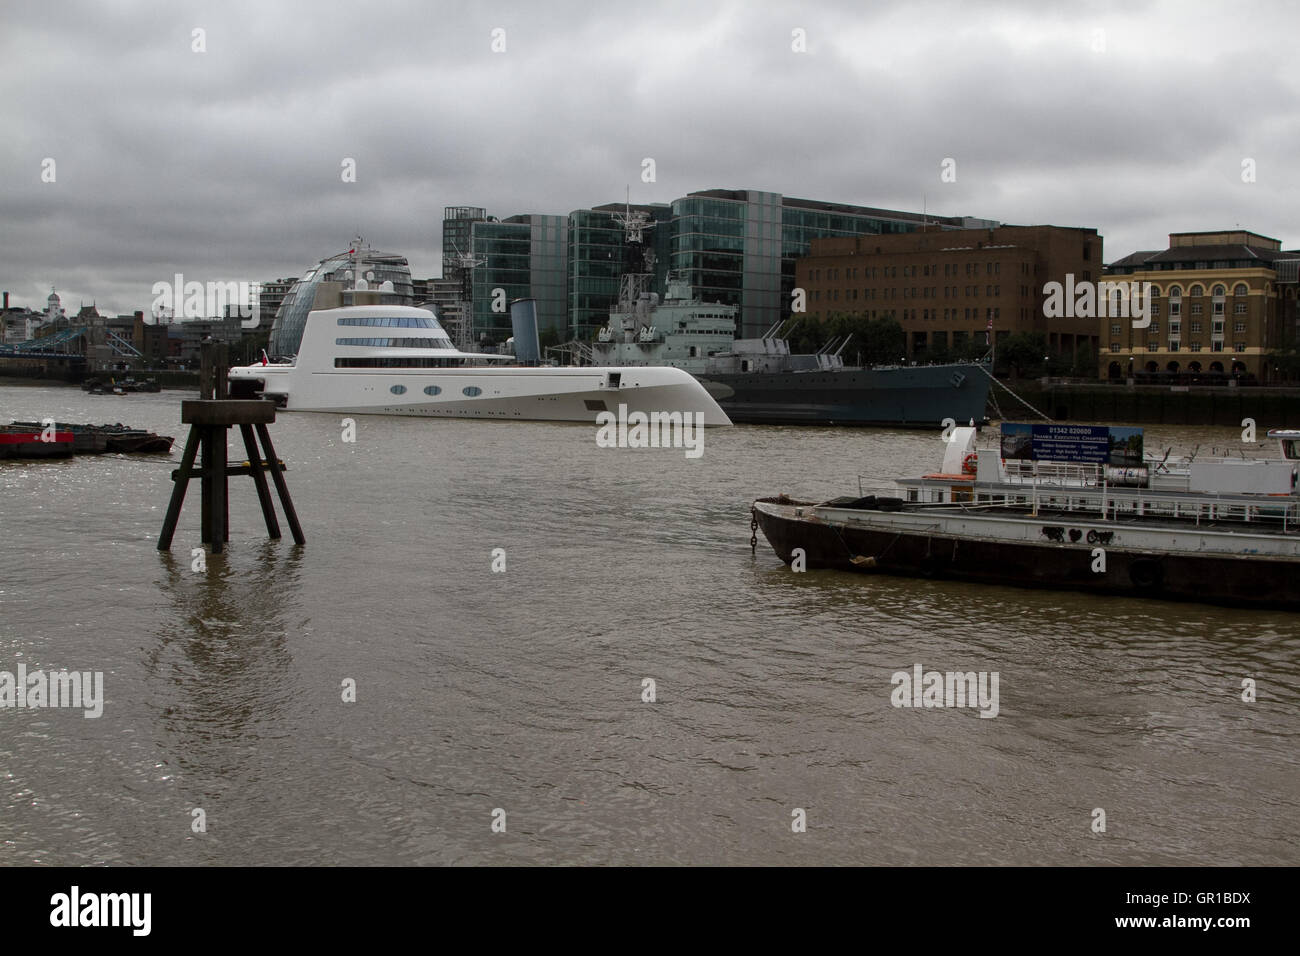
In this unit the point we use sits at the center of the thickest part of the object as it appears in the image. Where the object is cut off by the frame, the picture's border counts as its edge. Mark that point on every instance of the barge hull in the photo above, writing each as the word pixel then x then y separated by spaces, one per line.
pixel 919 397
pixel 1224 579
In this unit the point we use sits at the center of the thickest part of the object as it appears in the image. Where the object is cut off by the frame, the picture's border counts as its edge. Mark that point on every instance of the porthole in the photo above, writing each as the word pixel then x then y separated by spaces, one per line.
pixel 398 389
pixel 471 390
pixel 432 390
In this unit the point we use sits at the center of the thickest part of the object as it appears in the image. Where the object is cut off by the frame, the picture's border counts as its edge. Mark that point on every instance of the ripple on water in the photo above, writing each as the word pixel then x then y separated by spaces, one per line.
pixel 523 691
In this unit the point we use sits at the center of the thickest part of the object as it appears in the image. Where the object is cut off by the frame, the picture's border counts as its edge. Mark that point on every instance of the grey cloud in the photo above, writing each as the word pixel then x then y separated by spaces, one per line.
pixel 226 164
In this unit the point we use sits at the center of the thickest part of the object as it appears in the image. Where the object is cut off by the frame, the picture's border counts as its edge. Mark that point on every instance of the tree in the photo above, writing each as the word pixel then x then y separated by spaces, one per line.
pixel 1022 352
pixel 882 341
pixel 878 341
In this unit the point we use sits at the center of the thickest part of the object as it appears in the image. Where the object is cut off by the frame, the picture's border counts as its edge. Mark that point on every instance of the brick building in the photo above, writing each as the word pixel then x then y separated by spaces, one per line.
pixel 949 288
pixel 1221 301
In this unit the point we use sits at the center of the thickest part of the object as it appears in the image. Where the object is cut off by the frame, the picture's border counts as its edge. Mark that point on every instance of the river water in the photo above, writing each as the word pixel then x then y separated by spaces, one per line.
pixel 515 698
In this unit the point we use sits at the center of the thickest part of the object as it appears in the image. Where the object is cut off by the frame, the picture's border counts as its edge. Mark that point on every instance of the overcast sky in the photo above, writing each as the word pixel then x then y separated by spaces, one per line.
pixel 1132 118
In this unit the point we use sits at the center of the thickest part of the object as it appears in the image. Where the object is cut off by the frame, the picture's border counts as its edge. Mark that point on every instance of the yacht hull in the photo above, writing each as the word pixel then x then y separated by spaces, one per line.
pixel 510 393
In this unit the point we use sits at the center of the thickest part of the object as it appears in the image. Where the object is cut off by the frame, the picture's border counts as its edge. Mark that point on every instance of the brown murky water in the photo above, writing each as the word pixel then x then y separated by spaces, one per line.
pixel 522 691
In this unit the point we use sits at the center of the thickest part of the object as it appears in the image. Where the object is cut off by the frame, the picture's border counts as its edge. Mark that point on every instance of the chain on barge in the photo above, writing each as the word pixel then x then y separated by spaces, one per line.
pixel 1223 531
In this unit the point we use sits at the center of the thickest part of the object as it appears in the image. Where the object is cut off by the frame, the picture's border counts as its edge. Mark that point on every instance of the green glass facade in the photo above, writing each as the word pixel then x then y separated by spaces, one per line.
pixel 504 248
pixel 599 256
pixel 457 227
pixel 291 318
pixel 734 246
pixel 740 246
pixel 524 257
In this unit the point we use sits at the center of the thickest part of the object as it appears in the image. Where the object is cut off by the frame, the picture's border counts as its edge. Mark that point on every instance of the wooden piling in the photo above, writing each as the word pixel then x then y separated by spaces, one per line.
pixel 210 418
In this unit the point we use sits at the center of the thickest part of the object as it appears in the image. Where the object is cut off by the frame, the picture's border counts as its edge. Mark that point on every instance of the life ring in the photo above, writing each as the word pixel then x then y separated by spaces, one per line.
pixel 968 463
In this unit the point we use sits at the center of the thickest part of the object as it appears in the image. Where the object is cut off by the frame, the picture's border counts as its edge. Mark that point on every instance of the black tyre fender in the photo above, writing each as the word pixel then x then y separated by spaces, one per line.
pixel 1146 574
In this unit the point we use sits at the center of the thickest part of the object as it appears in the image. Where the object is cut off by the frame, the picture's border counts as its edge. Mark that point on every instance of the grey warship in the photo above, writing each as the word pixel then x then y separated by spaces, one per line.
pixel 760 381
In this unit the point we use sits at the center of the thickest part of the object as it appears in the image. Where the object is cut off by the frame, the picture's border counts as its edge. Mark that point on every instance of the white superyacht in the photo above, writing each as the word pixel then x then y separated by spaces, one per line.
pixel 373 359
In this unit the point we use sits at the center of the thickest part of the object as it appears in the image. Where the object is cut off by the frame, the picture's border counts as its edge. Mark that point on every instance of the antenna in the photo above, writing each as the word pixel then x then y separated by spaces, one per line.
pixel 639 259
pixel 633 223
pixel 357 243
pixel 466 263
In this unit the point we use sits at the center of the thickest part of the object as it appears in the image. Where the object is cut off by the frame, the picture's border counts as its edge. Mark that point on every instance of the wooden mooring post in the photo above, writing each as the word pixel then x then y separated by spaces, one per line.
pixel 209 419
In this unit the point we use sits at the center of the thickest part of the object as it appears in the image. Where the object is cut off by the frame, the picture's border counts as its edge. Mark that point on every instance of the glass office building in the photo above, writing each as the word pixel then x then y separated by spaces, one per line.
pixel 739 246
pixel 291 318
pixel 736 246
pixel 600 255
pixel 457 236
pixel 523 257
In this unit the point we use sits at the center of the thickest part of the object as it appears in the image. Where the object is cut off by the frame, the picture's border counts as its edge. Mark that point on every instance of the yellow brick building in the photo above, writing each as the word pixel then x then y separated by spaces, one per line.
pixel 1221 301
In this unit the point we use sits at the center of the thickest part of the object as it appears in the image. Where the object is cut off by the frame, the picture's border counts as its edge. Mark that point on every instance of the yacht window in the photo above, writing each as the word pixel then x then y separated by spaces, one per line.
pixel 432 342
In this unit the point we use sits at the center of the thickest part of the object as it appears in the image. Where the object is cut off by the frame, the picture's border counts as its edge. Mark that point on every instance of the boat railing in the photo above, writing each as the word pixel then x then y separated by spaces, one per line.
pixel 1053 472
pixel 1270 512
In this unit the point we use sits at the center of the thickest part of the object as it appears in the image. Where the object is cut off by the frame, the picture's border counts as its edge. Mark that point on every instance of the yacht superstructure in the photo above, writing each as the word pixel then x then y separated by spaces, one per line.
pixel 398 360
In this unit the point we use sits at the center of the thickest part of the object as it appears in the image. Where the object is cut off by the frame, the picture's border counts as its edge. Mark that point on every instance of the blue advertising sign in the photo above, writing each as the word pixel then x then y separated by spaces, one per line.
pixel 1082 444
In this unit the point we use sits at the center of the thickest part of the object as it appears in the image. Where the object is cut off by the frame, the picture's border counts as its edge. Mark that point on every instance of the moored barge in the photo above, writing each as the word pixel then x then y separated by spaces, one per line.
pixel 1077 526
pixel 34 442
pixel 97 439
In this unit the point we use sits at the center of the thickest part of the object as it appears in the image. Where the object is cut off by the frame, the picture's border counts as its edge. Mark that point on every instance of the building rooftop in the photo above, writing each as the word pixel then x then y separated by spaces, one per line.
pixel 742 195
pixel 1133 259
pixel 1214 252
pixel 1223 237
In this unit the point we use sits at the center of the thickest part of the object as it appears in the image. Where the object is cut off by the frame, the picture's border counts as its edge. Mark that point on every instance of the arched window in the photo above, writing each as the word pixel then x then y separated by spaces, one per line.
pixel 1239 289
pixel 1197 291
pixel 1172 367
pixel 1219 291
pixel 1175 292
pixel 1155 291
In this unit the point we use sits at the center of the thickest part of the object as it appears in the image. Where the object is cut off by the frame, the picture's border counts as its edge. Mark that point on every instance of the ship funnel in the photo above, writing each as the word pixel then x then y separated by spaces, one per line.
pixel 523 317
